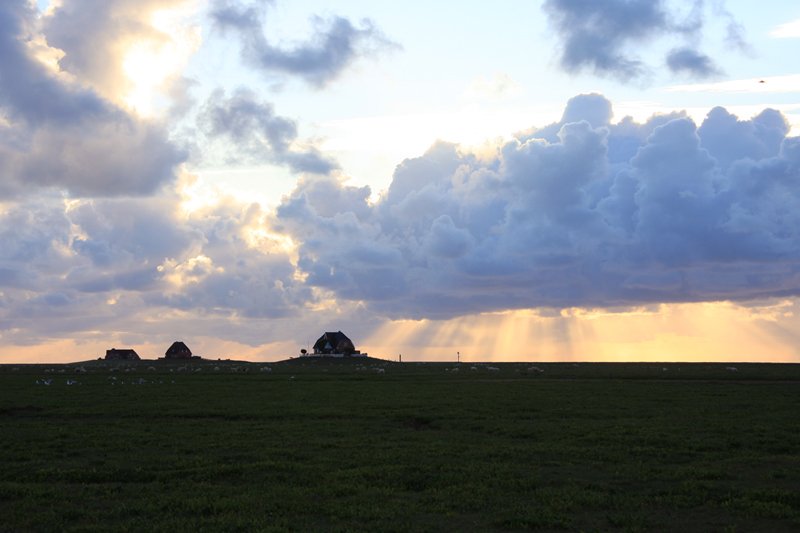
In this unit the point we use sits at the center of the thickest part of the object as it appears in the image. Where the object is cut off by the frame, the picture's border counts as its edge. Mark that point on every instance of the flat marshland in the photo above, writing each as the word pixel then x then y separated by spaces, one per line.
pixel 379 446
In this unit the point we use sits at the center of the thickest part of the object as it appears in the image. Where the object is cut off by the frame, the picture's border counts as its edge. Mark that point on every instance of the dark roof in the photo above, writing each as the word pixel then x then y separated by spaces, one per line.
pixel 122 354
pixel 178 349
pixel 334 342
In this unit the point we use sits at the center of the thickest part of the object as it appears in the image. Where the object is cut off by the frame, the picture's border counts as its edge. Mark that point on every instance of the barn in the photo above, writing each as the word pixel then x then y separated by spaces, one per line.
pixel 178 350
pixel 125 354
pixel 335 344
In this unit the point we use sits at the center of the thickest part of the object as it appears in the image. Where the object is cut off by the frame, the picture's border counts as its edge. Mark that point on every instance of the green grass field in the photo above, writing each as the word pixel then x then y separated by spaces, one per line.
pixel 342 446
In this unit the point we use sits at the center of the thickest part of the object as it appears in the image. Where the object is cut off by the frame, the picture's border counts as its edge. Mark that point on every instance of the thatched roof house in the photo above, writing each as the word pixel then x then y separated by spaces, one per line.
pixel 122 355
pixel 178 350
pixel 335 343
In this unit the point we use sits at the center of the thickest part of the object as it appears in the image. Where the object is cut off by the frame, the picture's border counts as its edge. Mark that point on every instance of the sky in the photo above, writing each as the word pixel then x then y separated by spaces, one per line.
pixel 559 180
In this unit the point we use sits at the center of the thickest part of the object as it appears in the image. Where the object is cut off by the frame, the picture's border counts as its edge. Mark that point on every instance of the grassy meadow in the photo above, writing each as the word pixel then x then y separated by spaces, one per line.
pixel 379 446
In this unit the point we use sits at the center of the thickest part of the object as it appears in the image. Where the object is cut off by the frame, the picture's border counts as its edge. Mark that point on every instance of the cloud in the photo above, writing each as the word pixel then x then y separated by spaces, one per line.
pixel 95 36
pixel 729 139
pixel 688 61
pixel 257 134
pixel 95 267
pixel 497 87
pixel 583 213
pixel 772 84
pixel 62 135
pixel 788 30
pixel 602 37
pixel 335 45
pixel 596 36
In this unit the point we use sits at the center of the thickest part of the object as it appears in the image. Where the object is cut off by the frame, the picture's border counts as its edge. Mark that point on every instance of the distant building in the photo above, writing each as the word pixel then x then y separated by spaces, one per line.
pixel 335 344
pixel 178 350
pixel 122 355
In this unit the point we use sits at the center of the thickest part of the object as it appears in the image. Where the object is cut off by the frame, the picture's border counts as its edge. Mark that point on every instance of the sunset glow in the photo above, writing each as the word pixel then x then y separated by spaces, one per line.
pixel 150 64
pixel 686 332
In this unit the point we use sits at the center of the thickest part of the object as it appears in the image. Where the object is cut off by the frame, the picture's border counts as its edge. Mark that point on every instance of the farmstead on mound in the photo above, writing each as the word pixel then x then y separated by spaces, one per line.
pixel 335 344
pixel 122 355
pixel 178 350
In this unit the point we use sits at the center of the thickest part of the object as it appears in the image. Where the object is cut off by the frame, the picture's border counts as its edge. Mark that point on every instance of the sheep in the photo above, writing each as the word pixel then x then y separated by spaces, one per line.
pixel 535 369
pixel 380 371
pixel 266 369
pixel 731 369
pixel 151 369
pixel 492 369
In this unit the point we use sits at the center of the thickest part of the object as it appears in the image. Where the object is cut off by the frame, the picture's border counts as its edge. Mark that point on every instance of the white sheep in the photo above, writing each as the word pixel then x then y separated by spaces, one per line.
pixel 492 369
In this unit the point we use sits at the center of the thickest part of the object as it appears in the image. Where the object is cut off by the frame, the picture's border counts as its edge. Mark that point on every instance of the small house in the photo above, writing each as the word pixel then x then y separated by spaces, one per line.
pixel 122 355
pixel 178 350
pixel 335 344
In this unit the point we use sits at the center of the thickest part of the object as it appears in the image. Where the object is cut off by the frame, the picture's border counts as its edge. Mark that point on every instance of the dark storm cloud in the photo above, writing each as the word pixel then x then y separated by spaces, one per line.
pixel 256 133
pixel 335 45
pixel 62 135
pixel 602 36
pixel 581 213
